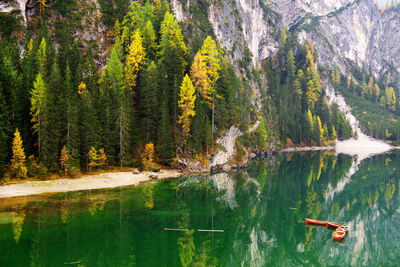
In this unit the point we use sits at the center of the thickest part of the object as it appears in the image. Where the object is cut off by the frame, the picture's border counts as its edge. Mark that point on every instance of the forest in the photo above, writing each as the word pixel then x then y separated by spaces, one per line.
pixel 160 96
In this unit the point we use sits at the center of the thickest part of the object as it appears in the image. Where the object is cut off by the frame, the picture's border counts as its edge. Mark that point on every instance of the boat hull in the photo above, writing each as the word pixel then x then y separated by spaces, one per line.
pixel 310 221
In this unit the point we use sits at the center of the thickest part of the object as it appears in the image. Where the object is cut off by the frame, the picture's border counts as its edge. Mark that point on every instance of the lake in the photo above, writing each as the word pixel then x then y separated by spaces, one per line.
pixel 246 218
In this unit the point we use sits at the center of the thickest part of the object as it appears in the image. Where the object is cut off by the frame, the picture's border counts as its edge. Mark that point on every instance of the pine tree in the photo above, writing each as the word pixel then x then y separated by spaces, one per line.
pixel 172 62
pixel 165 146
pixel 134 59
pixel 186 104
pixel 42 57
pixel 71 118
pixel 283 36
pixel 51 133
pixel 17 167
pixel 38 96
pixel 4 136
pixel 290 65
pixel 149 40
pixel 124 116
pixel 148 101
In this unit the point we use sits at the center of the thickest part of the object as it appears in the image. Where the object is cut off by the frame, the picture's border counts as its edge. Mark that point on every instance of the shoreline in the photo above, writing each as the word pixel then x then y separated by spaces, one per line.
pixel 122 178
pixel 87 182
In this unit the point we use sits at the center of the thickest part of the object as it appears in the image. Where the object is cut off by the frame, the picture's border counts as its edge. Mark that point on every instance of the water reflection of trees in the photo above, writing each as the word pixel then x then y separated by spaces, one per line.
pixel 261 211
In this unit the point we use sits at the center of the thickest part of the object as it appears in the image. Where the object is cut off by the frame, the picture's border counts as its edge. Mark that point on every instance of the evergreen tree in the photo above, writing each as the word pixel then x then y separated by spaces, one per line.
pixel 69 98
pixel 149 40
pixel 148 100
pixel 4 132
pixel 165 139
pixel 172 62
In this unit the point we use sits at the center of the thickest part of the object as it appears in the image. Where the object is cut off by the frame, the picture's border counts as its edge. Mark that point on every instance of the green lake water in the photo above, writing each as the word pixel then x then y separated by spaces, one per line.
pixel 261 212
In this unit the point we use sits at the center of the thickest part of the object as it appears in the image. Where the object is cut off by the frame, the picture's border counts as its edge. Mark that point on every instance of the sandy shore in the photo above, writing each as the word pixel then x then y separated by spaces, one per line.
pixel 98 181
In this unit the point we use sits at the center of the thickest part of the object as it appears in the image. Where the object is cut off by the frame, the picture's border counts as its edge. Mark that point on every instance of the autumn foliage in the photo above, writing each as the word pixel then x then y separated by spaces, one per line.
pixel 18 168
pixel 148 156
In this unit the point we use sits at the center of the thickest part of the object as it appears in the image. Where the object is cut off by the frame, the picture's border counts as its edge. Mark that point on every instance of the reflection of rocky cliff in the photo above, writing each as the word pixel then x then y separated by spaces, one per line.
pixel 261 211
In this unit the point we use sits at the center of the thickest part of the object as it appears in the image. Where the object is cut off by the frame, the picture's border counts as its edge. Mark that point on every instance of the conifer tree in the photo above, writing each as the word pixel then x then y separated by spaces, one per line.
pixel 64 159
pixel 117 29
pixel 135 58
pixel 102 157
pixel 38 96
pixel 349 79
pixel 124 114
pixel 377 92
pixel 199 76
pixel 186 104
pixel 390 98
pixel 149 39
pixel 4 136
pixel 18 168
pixel 209 53
pixel 148 100
pixel 52 127
pixel 42 56
pixel 93 158
pixel 165 146
pixel 71 118
pixel 337 74
pixel 87 121
pixel 172 61
pixel 310 124
pixel 283 36
pixel 291 67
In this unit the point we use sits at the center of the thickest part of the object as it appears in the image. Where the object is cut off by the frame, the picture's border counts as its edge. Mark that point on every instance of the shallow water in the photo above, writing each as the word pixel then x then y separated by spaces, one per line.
pixel 261 212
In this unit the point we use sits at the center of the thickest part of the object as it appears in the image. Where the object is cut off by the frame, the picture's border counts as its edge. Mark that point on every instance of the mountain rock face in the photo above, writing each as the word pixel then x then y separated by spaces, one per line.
pixel 347 33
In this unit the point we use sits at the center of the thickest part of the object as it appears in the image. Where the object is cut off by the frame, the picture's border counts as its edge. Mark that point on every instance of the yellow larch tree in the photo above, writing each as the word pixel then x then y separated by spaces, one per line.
pixel 37 106
pixel 198 76
pixel 18 168
pixel 390 98
pixel 186 104
pixel 93 158
pixel 209 54
pixel 377 92
pixel 102 157
pixel 82 89
pixel 148 156
pixel 64 159
pixel 135 58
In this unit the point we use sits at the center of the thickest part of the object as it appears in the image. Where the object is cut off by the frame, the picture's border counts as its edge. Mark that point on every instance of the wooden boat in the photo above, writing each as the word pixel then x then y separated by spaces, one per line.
pixel 340 232
pixel 333 225
pixel 310 221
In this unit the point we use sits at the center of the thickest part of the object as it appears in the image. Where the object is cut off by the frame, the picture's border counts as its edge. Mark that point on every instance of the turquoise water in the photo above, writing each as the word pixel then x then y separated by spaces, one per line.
pixel 261 212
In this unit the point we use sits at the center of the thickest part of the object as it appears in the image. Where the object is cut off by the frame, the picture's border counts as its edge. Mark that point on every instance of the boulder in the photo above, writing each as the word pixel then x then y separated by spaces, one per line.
pixel 136 171
pixel 226 167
